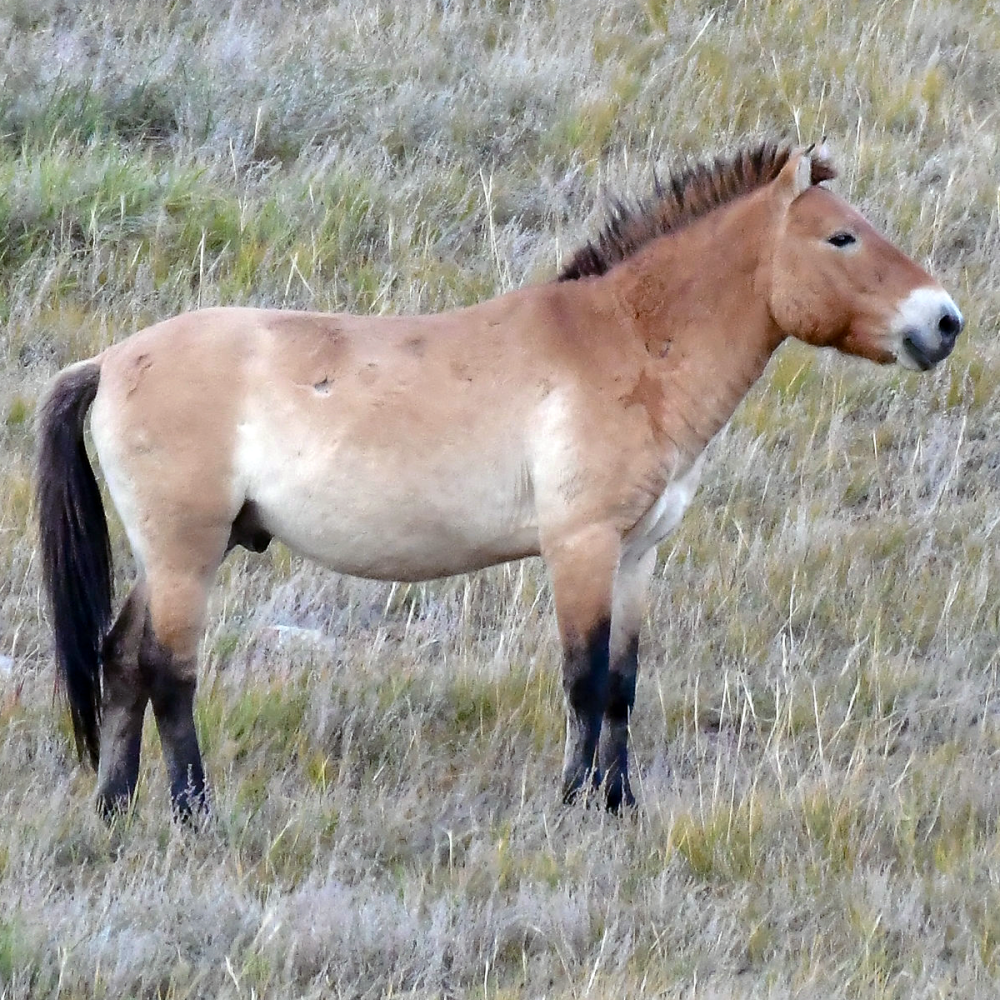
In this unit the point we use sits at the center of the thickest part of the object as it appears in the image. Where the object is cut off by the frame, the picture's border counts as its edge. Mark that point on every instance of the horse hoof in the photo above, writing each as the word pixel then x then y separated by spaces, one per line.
pixel 618 797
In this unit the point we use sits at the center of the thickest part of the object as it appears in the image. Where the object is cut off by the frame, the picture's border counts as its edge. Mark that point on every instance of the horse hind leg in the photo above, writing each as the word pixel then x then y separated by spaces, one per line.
pixel 123 706
pixel 180 552
pixel 168 660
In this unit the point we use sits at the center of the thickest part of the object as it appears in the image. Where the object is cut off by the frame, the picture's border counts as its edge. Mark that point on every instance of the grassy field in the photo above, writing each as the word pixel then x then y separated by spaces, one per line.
pixel 818 725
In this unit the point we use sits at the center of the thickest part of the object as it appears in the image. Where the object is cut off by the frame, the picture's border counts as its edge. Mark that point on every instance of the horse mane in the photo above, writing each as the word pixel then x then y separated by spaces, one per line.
pixel 689 193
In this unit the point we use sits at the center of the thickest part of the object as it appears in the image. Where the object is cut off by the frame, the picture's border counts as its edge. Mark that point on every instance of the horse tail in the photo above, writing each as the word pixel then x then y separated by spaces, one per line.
pixel 75 549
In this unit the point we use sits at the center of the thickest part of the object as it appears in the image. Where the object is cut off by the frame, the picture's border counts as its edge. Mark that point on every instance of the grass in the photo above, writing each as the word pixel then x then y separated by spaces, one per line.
pixel 817 735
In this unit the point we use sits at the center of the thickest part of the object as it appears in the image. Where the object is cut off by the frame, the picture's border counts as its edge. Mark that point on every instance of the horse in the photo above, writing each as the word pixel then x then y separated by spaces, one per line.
pixel 566 419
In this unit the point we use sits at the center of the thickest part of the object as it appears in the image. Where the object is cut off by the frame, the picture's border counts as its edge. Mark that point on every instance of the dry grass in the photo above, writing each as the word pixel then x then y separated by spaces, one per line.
pixel 817 733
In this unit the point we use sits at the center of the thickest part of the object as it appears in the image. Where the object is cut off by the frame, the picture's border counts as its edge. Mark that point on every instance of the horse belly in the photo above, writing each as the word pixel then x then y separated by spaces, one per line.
pixel 379 516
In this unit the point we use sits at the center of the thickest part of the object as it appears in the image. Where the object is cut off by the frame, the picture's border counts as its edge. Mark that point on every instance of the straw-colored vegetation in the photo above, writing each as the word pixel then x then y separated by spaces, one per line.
pixel 817 738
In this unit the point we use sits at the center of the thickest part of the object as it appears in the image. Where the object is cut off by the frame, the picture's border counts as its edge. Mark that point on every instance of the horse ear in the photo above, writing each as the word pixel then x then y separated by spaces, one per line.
pixel 822 164
pixel 796 175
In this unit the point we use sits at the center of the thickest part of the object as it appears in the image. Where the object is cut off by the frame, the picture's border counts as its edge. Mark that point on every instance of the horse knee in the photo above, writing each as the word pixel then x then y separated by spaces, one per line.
pixel 178 605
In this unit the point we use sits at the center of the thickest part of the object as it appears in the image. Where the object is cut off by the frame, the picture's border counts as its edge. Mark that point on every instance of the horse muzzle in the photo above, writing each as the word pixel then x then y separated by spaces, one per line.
pixel 928 325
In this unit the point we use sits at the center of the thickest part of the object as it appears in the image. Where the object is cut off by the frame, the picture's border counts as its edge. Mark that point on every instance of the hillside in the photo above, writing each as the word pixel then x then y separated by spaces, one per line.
pixel 816 733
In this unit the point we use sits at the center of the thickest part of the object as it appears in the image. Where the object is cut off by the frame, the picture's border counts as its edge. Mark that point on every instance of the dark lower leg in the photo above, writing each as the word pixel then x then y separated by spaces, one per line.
pixel 583 564
pixel 631 586
pixel 173 706
pixel 171 690
pixel 585 682
pixel 122 711
pixel 121 743
pixel 613 754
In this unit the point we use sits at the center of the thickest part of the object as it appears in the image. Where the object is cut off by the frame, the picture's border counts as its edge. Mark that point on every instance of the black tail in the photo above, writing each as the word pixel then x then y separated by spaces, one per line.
pixel 75 549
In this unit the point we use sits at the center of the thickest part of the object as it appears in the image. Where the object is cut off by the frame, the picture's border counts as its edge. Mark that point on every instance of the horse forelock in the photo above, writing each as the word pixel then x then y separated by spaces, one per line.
pixel 690 192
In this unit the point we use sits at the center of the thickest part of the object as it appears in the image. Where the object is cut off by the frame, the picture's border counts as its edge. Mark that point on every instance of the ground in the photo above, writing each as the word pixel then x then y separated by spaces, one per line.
pixel 817 728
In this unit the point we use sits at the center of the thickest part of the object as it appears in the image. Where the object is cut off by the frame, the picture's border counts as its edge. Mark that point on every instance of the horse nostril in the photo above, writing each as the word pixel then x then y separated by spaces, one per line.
pixel 950 324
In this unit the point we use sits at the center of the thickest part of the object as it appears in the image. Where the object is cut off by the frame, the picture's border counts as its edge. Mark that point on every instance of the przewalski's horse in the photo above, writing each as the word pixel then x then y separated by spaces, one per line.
pixel 566 420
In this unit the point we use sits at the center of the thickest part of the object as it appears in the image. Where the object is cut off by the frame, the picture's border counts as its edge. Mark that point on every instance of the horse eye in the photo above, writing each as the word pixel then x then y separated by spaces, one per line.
pixel 842 239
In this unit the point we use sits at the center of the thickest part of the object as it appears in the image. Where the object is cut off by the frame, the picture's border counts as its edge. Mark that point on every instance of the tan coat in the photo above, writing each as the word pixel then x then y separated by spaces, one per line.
pixel 566 420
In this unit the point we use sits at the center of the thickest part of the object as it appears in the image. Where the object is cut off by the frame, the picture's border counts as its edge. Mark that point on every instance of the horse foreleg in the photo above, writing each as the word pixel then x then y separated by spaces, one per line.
pixel 631 587
pixel 583 568
pixel 123 706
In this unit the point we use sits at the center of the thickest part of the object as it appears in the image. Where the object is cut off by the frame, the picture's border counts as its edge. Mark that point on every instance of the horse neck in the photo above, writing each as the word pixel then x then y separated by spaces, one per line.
pixel 697 301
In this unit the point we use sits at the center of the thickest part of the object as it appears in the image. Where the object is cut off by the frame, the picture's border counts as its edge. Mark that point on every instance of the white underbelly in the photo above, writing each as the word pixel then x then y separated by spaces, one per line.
pixel 387 515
